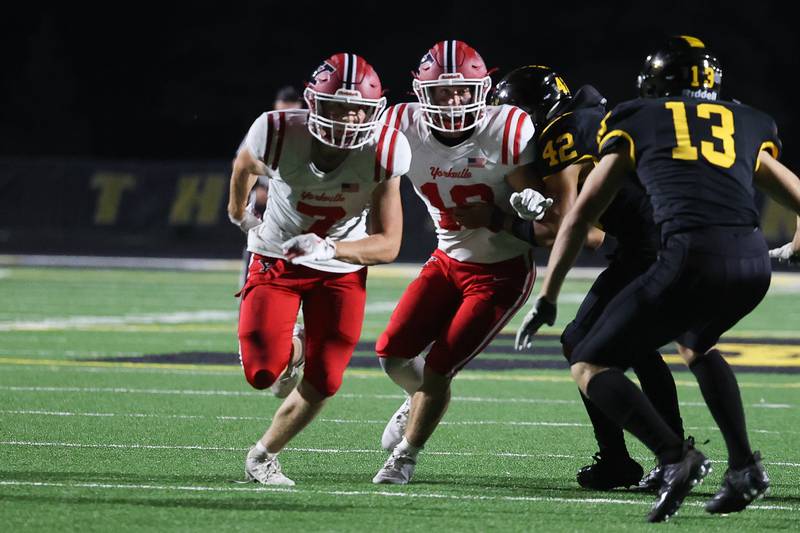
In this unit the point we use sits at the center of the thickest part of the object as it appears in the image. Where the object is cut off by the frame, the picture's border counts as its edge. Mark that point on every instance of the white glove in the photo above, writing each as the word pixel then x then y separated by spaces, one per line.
pixel 247 222
pixel 530 204
pixel 786 253
pixel 309 247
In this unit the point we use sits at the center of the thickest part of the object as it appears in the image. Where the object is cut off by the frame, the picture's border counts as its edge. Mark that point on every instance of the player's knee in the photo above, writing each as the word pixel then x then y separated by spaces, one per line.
pixel 322 384
pixel 581 374
pixel 688 355
pixel 260 379
pixel 386 348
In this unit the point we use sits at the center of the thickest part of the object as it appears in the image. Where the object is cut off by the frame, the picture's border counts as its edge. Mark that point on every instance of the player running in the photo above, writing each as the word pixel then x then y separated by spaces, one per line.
pixel 566 146
pixel 465 153
pixel 697 157
pixel 328 166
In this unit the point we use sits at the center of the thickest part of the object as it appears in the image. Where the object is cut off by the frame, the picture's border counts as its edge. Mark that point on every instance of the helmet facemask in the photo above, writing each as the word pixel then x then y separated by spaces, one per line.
pixel 327 111
pixel 453 118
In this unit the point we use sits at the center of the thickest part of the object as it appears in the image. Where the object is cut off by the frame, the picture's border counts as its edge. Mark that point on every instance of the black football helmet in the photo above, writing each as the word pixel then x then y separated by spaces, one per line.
pixel 536 89
pixel 682 67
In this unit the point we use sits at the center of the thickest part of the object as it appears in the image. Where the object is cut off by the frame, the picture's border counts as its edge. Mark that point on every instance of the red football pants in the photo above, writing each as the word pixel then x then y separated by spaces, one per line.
pixel 457 306
pixel 333 313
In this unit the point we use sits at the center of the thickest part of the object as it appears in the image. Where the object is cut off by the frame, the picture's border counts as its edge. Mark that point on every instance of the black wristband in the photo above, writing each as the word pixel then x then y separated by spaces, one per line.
pixel 523 230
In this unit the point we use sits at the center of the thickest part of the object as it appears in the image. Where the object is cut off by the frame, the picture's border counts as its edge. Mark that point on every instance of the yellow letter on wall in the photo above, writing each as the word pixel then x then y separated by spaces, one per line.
pixel 195 203
pixel 111 188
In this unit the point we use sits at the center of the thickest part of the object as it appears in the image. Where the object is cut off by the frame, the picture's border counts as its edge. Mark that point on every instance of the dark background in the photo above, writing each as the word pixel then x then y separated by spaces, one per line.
pixel 185 80
pixel 144 87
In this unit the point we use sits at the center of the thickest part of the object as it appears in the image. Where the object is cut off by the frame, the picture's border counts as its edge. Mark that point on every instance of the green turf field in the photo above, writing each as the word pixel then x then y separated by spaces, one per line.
pixel 92 441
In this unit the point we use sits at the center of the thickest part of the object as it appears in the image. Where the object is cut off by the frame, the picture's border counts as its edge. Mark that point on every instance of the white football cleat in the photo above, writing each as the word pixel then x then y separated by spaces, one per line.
pixel 396 428
pixel 287 381
pixel 397 470
pixel 264 470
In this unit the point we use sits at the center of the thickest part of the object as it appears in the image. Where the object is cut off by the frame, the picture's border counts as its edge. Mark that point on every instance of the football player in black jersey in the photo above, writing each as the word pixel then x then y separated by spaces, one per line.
pixel 566 143
pixel 698 159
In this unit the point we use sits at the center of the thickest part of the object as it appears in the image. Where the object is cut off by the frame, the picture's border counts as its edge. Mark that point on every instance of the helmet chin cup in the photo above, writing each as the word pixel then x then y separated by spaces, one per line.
pixel 456 118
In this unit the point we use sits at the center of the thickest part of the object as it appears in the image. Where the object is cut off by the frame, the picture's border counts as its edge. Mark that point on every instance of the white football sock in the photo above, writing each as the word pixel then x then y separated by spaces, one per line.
pixel 407 448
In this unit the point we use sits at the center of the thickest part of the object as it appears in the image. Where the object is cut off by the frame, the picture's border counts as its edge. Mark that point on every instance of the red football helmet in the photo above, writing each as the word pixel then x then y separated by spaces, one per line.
pixel 345 101
pixel 448 67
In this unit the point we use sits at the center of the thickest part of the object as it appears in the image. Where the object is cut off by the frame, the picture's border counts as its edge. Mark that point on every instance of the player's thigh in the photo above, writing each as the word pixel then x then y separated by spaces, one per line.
pixel 649 312
pixel 333 315
pixel 487 306
pixel 619 274
pixel 733 287
pixel 267 315
pixel 424 310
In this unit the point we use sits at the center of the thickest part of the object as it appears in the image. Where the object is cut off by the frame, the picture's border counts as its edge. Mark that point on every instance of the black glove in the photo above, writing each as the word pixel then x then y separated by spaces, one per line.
pixel 542 312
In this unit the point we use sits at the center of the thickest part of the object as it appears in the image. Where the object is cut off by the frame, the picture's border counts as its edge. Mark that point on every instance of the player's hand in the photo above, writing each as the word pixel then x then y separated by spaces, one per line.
pixel 786 253
pixel 309 247
pixel 530 204
pixel 473 216
pixel 542 312
pixel 247 222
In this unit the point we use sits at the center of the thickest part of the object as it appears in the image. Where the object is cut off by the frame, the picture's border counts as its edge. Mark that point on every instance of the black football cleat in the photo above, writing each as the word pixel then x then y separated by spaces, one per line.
pixel 677 481
pixel 651 481
pixel 740 488
pixel 609 472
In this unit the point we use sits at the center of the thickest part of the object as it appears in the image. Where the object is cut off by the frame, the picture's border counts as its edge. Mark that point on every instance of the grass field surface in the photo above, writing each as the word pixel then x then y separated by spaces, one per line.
pixel 122 407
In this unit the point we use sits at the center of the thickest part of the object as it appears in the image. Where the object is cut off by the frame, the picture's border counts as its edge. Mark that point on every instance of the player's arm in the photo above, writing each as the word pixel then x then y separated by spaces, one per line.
pixel 778 182
pixel 246 169
pixel 783 186
pixel 597 193
pixel 562 187
pixel 386 232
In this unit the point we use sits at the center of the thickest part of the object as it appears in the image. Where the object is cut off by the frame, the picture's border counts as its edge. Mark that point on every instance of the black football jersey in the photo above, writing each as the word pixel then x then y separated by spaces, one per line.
pixel 571 137
pixel 694 157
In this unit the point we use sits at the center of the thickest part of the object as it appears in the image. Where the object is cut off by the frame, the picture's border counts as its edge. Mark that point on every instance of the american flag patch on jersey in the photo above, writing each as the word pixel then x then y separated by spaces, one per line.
pixel 349 187
pixel 476 162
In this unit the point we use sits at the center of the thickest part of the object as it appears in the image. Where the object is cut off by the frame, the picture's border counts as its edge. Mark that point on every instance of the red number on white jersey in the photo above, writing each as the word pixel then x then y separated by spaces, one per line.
pixel 460 195
pixel 326 216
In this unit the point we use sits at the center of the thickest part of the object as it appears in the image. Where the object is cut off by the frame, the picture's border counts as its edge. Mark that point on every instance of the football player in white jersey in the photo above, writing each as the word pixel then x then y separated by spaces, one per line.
pixel 465 153
pixel 328 166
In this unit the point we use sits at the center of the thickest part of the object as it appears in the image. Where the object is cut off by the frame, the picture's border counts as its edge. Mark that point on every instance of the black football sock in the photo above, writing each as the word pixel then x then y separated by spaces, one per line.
pixel 721 393
pixel 659 387
pixel 629 408
pixel 608 434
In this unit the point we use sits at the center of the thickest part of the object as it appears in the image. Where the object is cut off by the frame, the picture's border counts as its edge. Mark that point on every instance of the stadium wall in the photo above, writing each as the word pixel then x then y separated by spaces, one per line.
pixel 139 208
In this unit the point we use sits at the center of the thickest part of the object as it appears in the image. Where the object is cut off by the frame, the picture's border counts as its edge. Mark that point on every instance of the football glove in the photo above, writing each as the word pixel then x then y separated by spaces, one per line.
pixel 542 312
pixel 786 253
pixel 308 247
pixel 530 204
pixel 247 222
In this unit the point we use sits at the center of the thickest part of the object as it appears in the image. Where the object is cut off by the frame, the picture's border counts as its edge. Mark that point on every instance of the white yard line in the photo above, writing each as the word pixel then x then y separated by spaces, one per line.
pixel 78 322
pixel 211 392
pixel 197 447
pixel 187 317
pixel 519 423
pixel 360 493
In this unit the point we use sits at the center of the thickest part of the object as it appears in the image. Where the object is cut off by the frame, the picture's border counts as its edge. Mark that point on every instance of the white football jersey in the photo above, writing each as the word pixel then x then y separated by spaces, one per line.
pixel 302 199
pixel 473 171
